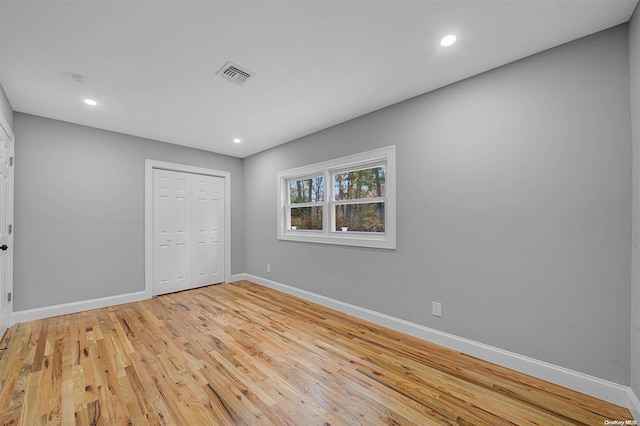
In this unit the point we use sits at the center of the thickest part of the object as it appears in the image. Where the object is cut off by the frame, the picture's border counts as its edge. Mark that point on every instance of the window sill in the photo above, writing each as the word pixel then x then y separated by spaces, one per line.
pixel 339 238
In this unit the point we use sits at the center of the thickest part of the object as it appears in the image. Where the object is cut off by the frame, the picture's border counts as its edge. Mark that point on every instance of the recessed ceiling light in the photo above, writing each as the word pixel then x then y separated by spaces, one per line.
pixel 237 140
pixel 448 40
pixel 90 102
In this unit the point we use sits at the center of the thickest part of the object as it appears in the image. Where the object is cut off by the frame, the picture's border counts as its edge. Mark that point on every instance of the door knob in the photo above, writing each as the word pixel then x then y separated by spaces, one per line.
pixel 4 247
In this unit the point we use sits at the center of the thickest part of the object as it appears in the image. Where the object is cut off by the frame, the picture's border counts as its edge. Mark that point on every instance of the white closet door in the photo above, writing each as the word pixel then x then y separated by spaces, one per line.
pixel 171 231
pixel 188 230
pixel 208 230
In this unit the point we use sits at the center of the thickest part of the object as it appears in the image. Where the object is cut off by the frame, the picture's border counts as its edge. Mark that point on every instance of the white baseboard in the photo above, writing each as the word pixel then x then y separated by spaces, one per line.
pixel 85 305
pixel 584 383
pixel 73 307
pixel 238 277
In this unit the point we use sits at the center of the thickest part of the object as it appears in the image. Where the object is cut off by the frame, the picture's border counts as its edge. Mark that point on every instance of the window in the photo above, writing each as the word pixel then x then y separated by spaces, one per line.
pixel 347 201
pixel 306 198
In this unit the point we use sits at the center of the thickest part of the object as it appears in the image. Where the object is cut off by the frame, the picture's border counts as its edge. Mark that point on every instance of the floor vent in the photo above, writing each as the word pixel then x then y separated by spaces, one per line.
pixel 234 73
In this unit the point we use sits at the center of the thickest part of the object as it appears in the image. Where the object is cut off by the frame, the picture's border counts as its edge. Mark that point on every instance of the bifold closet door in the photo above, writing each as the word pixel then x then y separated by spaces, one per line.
pixel 171 232
pixel 188 231
pixel 207 225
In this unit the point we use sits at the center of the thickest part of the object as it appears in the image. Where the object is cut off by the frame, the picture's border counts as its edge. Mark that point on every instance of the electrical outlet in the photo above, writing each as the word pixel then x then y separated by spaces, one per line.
pixel 268 268
pixel 436 309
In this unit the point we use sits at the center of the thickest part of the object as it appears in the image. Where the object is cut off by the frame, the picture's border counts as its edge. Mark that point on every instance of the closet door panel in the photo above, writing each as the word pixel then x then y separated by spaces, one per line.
pixel 172 232
pixel 208 236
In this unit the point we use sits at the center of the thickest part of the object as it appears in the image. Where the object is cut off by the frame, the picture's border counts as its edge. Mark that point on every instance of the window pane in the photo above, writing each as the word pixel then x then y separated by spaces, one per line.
pixel 360 217
pixel 306 190
pixel 366 183
pixel 306 218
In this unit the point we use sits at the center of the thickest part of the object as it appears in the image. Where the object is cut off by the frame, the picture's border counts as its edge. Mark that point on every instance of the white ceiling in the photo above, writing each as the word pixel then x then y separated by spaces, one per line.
pixel 151 65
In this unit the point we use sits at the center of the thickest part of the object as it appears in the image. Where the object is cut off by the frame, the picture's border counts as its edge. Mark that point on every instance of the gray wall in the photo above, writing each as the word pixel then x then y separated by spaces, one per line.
pixel 634 53
pixel 5 107
pixel 79 209
pixel 514 209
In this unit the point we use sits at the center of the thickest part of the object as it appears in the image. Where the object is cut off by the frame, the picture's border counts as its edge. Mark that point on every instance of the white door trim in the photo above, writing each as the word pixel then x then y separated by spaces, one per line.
pixel 149 165
pixel 7 128
pixel 10 219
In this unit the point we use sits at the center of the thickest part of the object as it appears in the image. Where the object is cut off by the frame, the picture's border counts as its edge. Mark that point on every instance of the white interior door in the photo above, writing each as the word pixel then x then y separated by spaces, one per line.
pixel 171 232
pixel 207 253
pixel 6 234
pixel 188 230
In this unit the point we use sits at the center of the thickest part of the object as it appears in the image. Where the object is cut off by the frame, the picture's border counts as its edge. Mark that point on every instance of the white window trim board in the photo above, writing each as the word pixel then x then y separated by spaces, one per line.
pixel 326 168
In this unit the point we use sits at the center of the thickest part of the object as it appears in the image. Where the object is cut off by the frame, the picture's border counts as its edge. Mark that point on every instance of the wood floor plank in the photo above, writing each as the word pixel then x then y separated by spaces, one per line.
pixel 242 354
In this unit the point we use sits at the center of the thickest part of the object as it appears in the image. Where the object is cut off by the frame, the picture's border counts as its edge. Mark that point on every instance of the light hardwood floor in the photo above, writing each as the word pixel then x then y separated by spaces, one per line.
pixel 242 354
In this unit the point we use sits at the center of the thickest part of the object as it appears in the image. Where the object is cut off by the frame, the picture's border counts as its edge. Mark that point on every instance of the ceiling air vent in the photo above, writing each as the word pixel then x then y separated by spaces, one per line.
pixel 234 73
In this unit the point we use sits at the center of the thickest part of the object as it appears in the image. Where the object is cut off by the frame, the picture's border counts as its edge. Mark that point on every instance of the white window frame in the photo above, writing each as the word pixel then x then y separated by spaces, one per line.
pixel 326 169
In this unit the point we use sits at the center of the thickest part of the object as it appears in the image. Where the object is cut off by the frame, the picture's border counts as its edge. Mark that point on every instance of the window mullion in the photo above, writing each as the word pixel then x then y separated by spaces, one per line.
pixel 328 196
pixel 360 201
pixel 298 205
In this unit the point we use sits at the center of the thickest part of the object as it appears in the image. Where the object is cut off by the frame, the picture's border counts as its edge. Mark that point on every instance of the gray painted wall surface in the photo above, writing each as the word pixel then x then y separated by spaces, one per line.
pixel 79 210
pixel 5 108
pixel 514 209
pixel 1 42
pixel 634 59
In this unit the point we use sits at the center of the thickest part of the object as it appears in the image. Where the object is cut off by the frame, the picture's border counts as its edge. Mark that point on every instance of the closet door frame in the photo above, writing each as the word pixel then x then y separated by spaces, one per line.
pixel 149 165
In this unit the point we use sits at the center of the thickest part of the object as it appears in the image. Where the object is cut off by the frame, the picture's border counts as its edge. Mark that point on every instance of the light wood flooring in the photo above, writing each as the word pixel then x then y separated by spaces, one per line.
pixel 242 354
